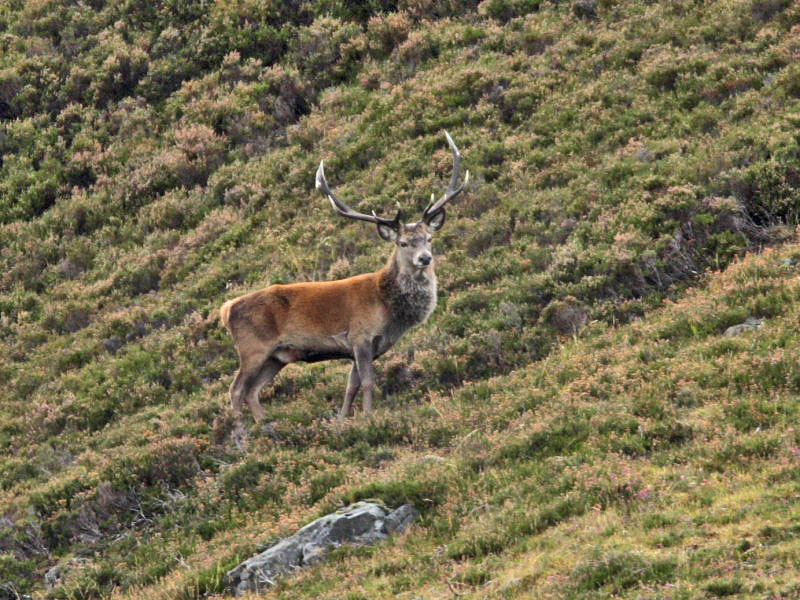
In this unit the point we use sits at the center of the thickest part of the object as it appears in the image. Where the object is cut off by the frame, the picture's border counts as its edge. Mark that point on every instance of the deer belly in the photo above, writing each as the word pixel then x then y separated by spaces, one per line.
pixel 313 349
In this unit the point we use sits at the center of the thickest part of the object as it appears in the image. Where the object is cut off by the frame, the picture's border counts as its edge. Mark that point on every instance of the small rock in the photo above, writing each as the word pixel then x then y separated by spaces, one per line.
pixel 432 458
pixel 112 344
pixel 750 324
pixel 566 316
pixel 52 577
pixel 482 508
pixel 644 155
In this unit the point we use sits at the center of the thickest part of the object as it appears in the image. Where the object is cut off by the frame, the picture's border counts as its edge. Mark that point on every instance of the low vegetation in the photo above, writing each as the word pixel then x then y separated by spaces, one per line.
pixel 571 422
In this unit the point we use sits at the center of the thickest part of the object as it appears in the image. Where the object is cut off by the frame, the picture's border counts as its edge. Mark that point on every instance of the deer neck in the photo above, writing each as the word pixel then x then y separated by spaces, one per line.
pixel 409 293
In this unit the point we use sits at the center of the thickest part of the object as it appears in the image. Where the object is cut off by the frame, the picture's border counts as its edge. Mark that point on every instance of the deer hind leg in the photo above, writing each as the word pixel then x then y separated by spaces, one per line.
pixel 253 356
pixel 353 383
pixel 269 368
pixel 235 391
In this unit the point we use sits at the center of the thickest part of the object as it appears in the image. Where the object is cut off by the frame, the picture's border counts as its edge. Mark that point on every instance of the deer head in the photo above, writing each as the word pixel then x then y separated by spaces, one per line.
pixel 412 240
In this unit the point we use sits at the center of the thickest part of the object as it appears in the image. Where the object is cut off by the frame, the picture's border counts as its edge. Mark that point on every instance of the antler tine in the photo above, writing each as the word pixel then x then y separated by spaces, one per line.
pixel 452 190
pixel 342 208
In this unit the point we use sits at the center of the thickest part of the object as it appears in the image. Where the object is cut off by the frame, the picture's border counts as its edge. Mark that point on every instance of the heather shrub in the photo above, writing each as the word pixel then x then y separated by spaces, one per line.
pixel 253 29
pixel 31 173
pixel 430 9
pixel 771 192
pixel 201 152
pixel 166 463
pixel 765 10
pixel 386 32
pixel 284 94
pixel 116 73
pixel 418 47
pixel 66 319
pixel 326 52
pixel 667 68
pixel 535 36
pixel 241 483
pixel 359 13
pixel 141 276
pixel 505 10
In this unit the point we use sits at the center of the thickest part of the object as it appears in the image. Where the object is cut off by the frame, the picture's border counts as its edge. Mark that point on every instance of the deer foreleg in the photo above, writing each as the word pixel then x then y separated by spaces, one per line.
pixel 353 383
pixel 366 373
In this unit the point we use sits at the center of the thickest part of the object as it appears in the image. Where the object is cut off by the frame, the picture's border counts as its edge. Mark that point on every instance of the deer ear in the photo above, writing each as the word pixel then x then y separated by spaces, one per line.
pixel 436 220
pixel 387 233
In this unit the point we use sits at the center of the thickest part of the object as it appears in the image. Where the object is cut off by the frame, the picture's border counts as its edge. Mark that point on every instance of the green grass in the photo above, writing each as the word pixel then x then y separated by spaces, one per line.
pixel 570 422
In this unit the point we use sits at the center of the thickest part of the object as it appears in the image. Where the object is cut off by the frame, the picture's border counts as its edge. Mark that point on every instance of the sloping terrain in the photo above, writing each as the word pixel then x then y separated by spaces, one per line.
pixel 570 421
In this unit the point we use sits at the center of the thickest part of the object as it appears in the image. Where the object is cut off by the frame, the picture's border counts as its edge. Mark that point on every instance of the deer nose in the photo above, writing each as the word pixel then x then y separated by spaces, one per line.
pixel 425 260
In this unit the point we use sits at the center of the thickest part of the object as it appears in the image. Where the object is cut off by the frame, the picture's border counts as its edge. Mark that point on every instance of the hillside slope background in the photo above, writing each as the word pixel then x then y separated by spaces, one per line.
pixel 570 421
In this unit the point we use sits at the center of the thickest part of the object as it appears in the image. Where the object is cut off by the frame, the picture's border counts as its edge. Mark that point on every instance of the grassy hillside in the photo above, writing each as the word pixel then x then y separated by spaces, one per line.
pixel 569 421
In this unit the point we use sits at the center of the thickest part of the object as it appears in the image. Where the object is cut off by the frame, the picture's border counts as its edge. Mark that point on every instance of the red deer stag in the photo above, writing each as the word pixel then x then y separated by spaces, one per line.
pixel 358 318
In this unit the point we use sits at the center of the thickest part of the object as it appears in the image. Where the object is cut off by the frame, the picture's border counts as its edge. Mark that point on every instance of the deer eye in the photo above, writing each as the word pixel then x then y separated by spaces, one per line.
pixel 403 244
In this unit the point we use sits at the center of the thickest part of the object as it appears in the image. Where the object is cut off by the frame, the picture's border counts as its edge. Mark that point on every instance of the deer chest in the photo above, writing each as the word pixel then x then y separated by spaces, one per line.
pixel 413 301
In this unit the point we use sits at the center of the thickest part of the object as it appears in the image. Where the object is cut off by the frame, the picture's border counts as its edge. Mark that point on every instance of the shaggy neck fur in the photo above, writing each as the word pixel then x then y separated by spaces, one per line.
pixel 410 293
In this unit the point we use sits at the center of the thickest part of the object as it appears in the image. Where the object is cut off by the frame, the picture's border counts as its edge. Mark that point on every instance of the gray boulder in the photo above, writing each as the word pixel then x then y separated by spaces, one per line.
pixel 359 523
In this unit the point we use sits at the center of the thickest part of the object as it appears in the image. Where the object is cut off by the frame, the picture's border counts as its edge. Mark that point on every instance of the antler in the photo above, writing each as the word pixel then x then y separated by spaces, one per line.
pixel 452 190
pixel 344 210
